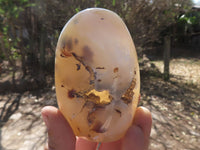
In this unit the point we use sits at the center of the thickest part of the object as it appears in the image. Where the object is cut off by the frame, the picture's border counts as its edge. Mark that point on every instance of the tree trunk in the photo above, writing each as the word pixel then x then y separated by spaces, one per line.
pixel 42 49
pixel 167 48
pixel 23 53
pixel 42 57
pixel 23 60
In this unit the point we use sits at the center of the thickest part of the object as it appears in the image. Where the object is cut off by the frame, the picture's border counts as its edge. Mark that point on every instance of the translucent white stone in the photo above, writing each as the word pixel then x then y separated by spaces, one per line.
pixel 97 75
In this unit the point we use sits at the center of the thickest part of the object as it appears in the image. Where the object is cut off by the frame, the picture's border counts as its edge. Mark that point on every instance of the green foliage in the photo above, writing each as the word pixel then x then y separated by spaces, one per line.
pixel 2 57
pixel 9 13
pixel 42 21
pixel 185 19
pixel 12 9
pixel 187 25
pixel 188 17
pixel 77 10
pixel 97 3
pixel 113 2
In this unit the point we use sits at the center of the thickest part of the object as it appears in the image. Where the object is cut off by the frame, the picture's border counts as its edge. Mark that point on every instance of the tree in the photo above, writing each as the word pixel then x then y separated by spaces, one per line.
pixel 9 39
pixel 29 29
pixel 166 55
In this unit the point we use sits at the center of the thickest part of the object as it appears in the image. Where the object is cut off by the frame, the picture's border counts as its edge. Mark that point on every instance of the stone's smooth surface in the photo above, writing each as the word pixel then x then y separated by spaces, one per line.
pixel 97 75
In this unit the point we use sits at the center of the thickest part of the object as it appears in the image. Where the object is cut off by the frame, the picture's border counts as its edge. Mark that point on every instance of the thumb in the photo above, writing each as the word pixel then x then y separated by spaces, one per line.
pixel 60 134
pixel 137 137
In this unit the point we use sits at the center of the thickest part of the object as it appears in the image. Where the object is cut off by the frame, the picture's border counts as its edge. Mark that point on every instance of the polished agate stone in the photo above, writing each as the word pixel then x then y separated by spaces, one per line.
pixel 97 75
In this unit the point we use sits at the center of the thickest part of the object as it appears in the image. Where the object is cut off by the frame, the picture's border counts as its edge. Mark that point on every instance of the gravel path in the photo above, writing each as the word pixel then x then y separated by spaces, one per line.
pixel 24 129
pixel 175 107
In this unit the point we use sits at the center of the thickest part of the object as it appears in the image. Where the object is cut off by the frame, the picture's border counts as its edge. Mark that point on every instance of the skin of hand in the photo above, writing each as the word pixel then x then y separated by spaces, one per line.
pixel 61 136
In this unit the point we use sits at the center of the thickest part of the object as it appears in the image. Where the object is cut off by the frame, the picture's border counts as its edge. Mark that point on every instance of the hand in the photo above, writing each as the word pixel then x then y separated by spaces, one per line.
pixel 61 136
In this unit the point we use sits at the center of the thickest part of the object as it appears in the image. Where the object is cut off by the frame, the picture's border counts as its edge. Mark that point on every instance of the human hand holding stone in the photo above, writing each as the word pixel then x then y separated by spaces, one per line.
pixel 61 136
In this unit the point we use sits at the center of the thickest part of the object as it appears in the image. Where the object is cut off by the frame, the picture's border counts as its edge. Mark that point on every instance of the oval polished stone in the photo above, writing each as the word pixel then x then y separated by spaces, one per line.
pixel 97 75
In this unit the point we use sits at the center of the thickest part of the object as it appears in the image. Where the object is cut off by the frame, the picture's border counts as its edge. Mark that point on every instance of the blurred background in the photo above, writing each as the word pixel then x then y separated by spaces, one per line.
pixel 166 34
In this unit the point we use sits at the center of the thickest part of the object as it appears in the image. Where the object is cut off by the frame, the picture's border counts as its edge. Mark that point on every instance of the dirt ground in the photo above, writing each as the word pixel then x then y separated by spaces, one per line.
pixel 175 108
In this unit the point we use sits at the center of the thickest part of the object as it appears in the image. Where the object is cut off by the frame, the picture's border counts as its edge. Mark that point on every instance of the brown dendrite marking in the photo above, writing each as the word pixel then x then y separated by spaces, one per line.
pixel 87 53
pixel 119 112
pixel 93 110
pixel 91 117
pixel 99 80
pixel 135 72
pixel 78 58
pixel 100 67
pixel 78 129
pixel 65 54
pixel 128 96
pixel 88 68
pixel 94 124
pixel 89 135
pixel 97 127
pixel 115 70
pixel 62 55
pixel 66 47
pixel 92 74
pixel 92 97
pixel 75 41
pixel 71 93
pixel 78 67
pixel 69 44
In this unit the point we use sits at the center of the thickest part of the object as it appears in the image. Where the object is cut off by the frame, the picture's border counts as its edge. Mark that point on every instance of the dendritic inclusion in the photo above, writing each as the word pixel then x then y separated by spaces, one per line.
pixel 97 75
